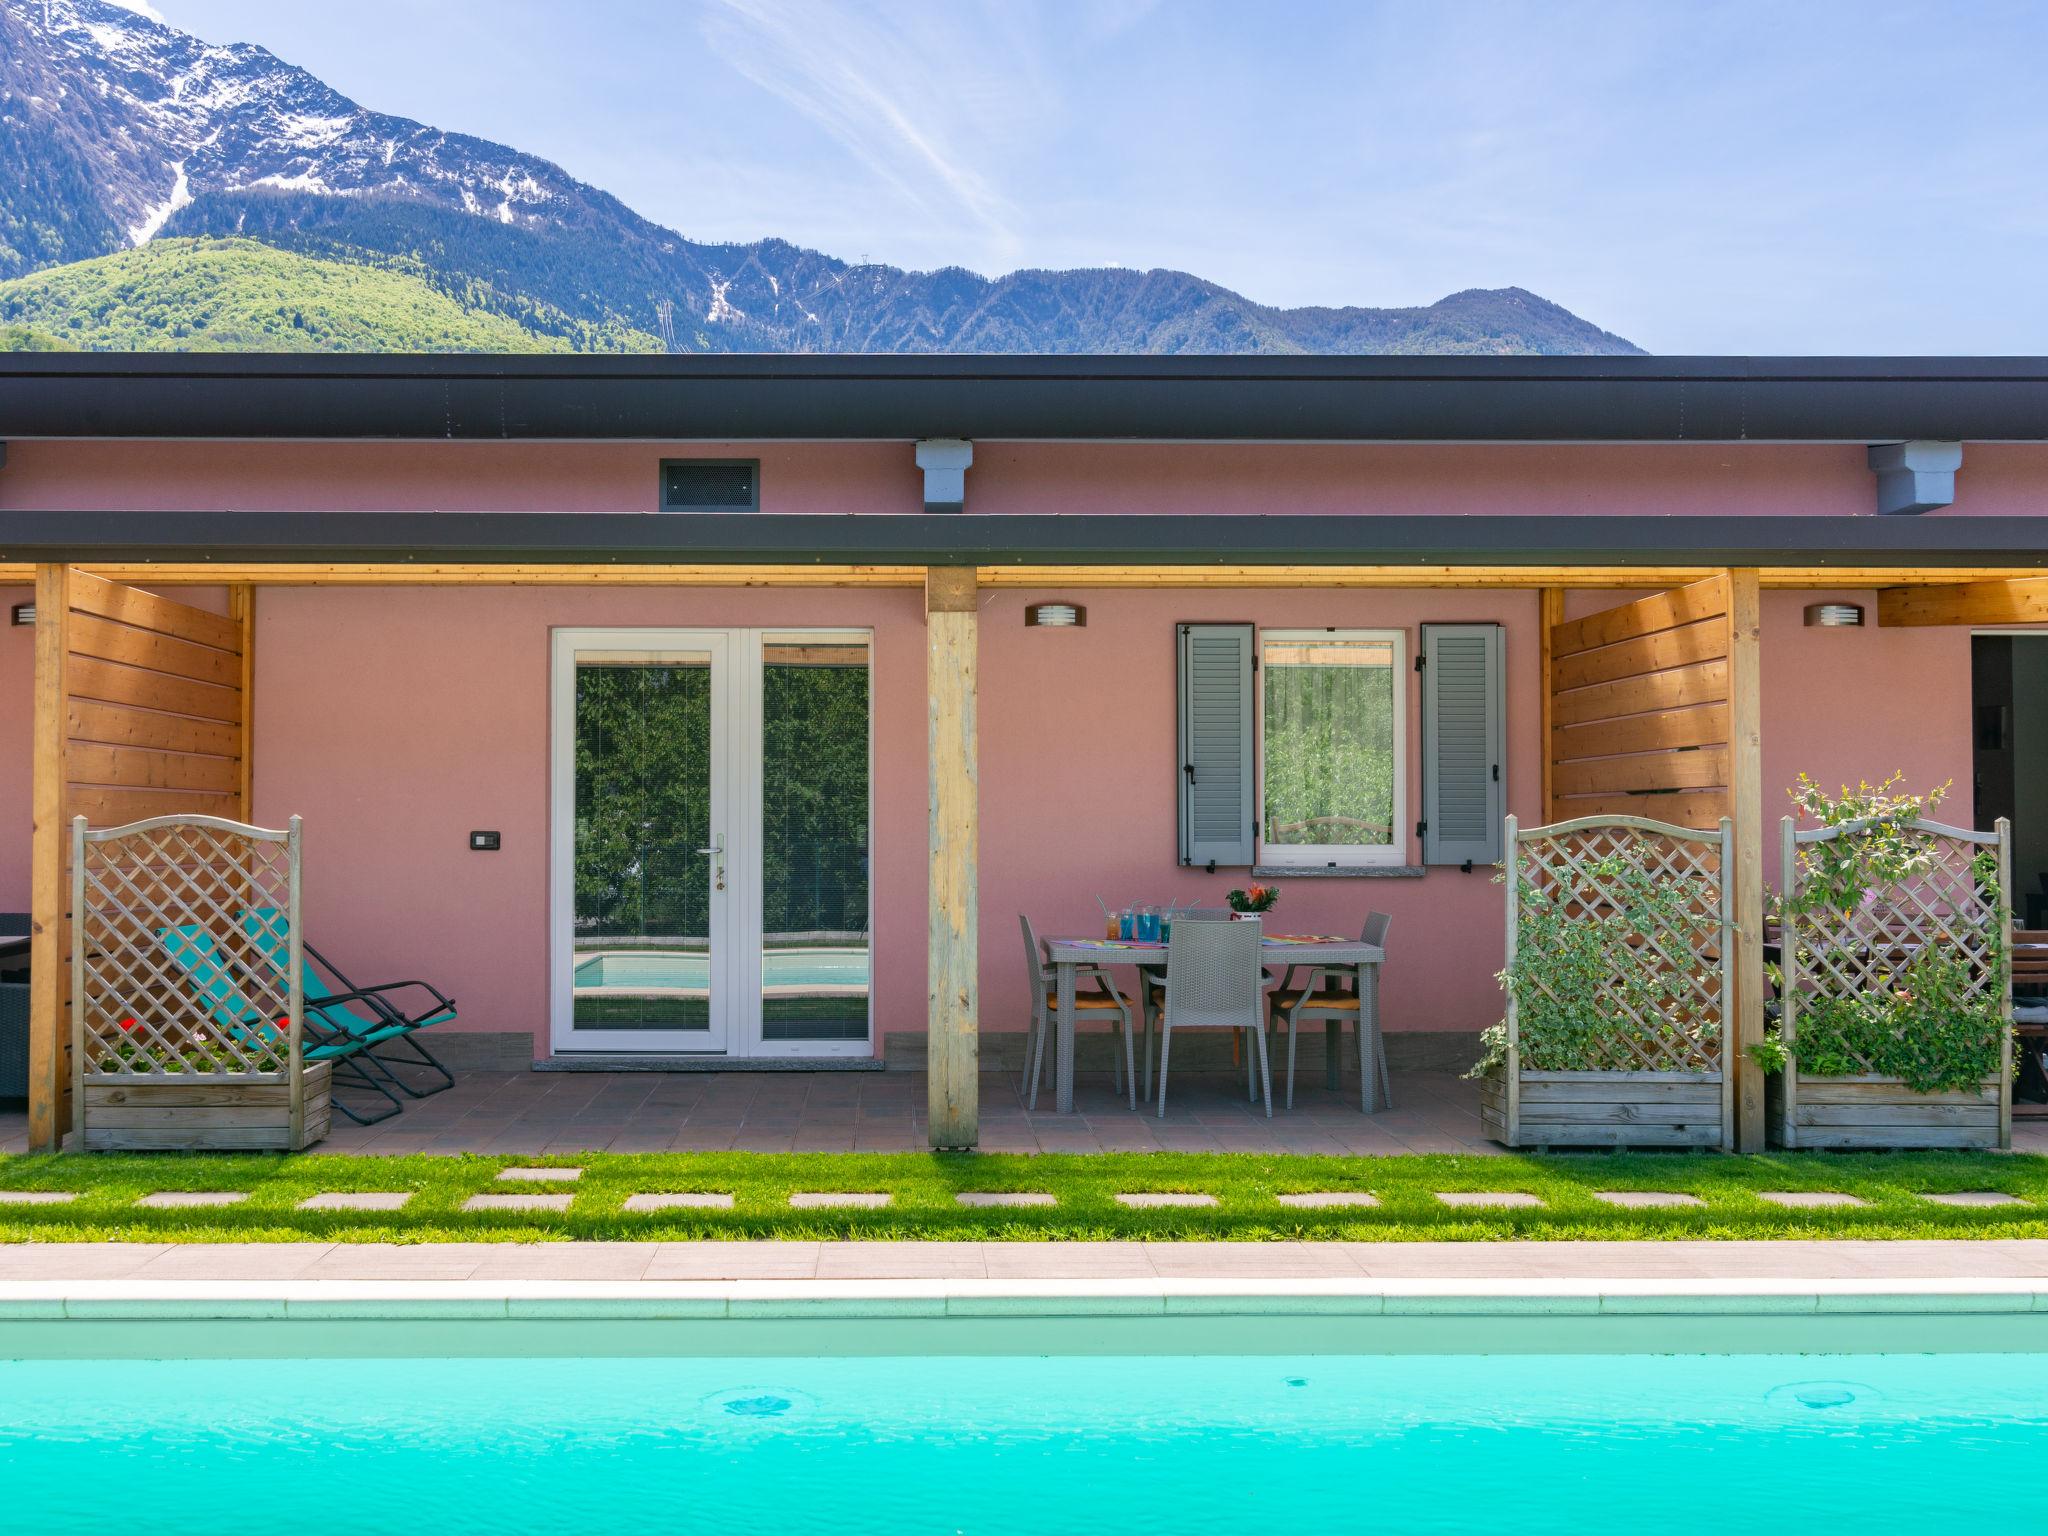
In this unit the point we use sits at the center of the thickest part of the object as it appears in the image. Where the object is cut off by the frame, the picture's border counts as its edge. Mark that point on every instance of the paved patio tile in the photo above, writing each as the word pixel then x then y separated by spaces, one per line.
pixel 816 1200
pixel 1809 1199
pixel 172 1199
pixel 1500 1199
pixel 1645 1199
pixel 901 1261
pixel 1003 1197
pixel 539 1175
pixel 1146 1201
pixel 357 1200
pixel 517 1202
pixel 734 1261
pixel 1318 1200
pixel 234 1261
pixel 37 1196
pixel 1962 1197
pixel 679 1201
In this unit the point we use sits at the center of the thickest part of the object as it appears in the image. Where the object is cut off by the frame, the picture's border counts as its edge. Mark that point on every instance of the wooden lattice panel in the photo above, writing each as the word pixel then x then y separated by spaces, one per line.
pixel 185 964
pixel 1663 992
pixel 1948 895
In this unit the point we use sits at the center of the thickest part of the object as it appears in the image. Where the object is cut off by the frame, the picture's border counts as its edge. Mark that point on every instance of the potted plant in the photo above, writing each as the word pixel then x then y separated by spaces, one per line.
pixel 1254 898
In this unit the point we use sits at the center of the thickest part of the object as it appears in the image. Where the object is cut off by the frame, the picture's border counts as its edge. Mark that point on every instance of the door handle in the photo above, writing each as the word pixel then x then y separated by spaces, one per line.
pixel 717 851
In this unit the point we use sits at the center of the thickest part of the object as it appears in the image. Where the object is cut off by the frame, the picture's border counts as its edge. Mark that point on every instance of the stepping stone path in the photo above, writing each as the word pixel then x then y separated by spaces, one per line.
pixel 826 1199
pixel 539 1175
pixel 1146 1202
pixel 679 1201
pixel 1809 1199
pixel 358 1200
pixel 37 1196
pixel 517 1202
pixel 1501 1198
pixel 168 1199
pixel 1645 1199
pixel 1004 1197
pixel 1964 1197
pixel 1332 1197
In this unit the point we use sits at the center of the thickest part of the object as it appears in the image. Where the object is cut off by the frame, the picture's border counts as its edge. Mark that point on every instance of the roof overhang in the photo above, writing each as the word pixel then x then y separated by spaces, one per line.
pixel 1164 399
pixel 653 539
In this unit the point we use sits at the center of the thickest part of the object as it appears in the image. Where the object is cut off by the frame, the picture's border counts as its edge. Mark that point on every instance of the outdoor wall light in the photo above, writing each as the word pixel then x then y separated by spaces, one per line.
pixel 1834 616
pixel 23 613
pixel 1056 616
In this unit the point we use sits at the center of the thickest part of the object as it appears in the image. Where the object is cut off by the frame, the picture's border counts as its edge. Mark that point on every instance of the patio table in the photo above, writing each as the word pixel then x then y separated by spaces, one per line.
pixel 1067 956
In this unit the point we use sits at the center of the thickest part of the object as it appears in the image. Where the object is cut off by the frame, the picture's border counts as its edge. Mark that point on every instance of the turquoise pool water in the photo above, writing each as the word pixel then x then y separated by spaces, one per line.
pixel 1535 1445
pixel 683 971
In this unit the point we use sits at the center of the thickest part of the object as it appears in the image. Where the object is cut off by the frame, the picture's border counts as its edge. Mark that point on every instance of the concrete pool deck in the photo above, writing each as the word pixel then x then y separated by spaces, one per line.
pixel 822 1266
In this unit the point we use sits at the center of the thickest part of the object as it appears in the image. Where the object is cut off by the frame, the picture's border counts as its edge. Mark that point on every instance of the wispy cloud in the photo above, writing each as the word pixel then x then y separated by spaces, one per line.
pixel 911 98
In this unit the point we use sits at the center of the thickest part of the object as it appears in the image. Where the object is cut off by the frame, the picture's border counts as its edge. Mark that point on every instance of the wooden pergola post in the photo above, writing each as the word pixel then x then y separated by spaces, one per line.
pixel 1746 808
pixel 953 915
pixel 1549 614
pixel 49 890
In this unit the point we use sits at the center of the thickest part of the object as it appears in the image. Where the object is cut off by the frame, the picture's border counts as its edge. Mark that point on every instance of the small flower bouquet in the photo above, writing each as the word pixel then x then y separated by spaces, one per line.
pixel 1259 898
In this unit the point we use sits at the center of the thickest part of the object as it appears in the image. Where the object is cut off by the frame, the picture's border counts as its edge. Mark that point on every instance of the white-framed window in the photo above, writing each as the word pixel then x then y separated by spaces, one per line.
pixel 1332 747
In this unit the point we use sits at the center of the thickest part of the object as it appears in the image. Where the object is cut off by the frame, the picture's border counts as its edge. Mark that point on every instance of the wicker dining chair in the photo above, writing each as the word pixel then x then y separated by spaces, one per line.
pixel 1215 980
pixel 1324 997
pixel 1045 1004
pixel 1152 984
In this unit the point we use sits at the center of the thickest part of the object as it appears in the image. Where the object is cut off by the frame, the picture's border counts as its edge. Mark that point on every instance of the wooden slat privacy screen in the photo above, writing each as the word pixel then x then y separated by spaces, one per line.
pixel 141 710
pixel 1639 709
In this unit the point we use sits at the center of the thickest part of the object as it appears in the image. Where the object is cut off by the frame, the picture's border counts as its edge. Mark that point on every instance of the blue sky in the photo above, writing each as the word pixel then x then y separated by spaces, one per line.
pixel 1766 178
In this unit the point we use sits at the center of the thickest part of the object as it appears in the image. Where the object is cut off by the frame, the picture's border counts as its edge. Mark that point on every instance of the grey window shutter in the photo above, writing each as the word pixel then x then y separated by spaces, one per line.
pixel 1217 809
pixel 1464 788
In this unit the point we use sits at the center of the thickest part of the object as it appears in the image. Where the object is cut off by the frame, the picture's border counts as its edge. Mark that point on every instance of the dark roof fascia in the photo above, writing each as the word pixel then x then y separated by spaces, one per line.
pixel 1253 399
pixel 632 538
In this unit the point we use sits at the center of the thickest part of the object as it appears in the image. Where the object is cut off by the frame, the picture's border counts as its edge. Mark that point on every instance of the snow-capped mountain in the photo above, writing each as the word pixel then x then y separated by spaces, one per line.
pixel 127 130
pixel 165 117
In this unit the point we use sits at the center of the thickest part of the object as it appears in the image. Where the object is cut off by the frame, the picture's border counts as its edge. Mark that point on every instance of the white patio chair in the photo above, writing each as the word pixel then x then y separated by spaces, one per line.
pixel 1045 1002
pixel 1326 997
pixel 1152 983
pixel 1215 980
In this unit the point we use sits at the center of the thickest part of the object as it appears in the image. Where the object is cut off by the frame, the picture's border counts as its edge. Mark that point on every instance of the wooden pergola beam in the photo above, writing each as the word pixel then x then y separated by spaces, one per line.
pixel 953 992
pixel 1440 577
pixel 2023 601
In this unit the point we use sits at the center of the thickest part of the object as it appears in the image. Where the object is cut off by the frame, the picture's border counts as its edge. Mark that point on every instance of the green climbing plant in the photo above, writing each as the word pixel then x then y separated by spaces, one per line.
pixel 1931 1010
pixel 1602 976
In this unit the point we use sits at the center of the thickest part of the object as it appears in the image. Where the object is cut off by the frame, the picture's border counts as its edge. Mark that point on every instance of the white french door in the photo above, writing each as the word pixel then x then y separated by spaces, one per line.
pixel 711 795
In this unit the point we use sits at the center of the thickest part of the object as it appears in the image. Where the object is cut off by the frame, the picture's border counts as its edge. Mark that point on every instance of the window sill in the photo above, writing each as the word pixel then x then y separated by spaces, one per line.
pixel 1337 872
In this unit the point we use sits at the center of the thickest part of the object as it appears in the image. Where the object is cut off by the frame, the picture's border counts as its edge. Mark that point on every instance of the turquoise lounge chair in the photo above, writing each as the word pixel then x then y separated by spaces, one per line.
pixel 197 954
pixel 369 1013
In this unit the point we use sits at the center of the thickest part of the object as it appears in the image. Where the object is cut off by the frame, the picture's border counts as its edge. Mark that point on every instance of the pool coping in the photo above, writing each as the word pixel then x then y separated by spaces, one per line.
pixel 625 1300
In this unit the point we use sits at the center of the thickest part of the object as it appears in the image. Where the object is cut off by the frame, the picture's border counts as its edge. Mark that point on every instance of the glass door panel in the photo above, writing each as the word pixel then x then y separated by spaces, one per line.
pixel 647 852
pixel 814 795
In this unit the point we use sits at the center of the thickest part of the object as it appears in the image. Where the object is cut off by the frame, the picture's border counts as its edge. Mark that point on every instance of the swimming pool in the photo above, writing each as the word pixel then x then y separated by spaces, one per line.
pixel 689 971
pixel 1544 1445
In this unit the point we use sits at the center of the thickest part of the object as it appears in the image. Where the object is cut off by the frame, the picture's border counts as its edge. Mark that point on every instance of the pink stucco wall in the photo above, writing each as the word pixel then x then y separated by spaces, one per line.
pixel 17 674
pixel 1178 478
pixel 396 720
pixel 1077 764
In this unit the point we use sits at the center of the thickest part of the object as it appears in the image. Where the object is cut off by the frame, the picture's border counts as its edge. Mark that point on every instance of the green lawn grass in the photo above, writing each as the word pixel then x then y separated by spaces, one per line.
pixel 924 1187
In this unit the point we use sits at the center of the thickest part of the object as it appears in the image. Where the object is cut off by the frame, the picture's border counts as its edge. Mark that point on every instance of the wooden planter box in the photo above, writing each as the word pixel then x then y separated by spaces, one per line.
pixel 129 1115
pixel 1606 1109
pixel 1882 1113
